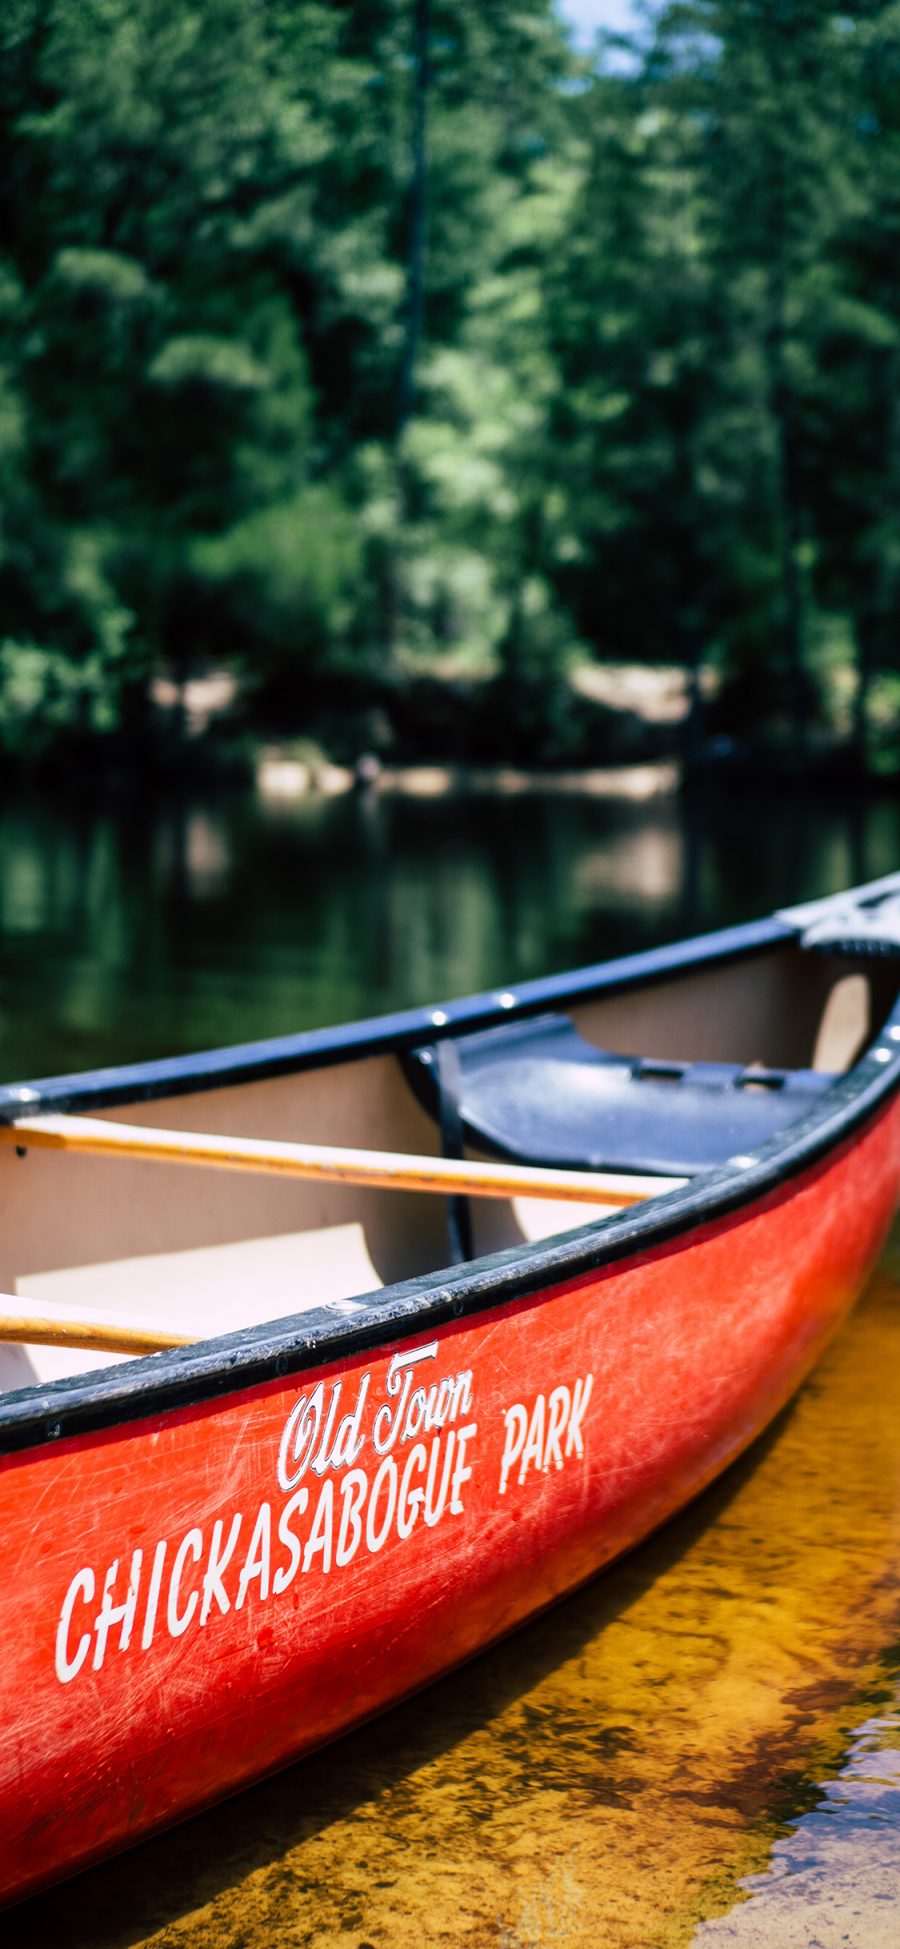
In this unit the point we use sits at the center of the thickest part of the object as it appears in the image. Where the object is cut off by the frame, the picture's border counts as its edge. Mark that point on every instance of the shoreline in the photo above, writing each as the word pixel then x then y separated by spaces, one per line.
pixel 278 776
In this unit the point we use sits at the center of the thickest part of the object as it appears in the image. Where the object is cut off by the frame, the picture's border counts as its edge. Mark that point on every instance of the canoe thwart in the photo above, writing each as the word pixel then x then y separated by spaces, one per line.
pixel 391 1170
pixel 51 1323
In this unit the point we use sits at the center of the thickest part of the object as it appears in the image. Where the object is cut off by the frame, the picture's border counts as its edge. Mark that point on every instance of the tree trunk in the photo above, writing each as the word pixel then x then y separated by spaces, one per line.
pixel 790 524
pixel 863 633
pixel 414 307
pixel 418 221
pixel 874 628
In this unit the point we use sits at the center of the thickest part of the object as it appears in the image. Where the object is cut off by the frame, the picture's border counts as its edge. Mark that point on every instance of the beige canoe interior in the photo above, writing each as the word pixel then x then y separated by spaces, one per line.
pixel 205 1251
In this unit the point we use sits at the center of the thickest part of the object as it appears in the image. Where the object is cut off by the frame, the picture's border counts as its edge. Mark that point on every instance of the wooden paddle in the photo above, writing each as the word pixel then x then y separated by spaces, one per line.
pixel 392 1170
pixel 52 1323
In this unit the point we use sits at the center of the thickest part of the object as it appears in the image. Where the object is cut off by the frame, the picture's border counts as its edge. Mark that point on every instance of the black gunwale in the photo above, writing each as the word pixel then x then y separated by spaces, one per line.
pixel 231 1363
pixel 248 1062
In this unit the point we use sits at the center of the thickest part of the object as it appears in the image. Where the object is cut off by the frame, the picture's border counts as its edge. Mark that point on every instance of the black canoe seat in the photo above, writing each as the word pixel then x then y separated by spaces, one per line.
pixel 537 1092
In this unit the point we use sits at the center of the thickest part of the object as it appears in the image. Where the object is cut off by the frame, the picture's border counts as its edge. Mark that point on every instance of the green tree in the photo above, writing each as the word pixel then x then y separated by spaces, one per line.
pixel 855 476
pixel 768 86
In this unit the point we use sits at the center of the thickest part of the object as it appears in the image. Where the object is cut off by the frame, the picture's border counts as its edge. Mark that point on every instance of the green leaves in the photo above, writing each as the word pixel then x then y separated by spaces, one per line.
pixel 200 360
pixel 654 409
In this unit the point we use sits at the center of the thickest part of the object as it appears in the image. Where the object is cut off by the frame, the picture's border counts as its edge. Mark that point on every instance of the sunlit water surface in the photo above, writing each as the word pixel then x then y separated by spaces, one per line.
pixel 701 1748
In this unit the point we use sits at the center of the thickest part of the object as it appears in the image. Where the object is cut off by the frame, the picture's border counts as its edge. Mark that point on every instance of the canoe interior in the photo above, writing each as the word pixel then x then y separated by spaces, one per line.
pixel 208 1251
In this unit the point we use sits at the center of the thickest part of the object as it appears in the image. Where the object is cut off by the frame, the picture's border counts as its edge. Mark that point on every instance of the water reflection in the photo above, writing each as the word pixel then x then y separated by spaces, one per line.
pixel 140 931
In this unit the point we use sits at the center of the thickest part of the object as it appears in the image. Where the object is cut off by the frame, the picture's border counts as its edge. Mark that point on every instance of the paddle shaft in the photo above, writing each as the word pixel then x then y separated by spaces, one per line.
pixel 50 1323
pixel 391 1170
pixel 38 1322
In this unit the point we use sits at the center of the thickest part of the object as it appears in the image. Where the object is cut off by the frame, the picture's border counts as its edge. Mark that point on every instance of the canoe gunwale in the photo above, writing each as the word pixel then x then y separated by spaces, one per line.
pixel 253 1356
pixel 252 1062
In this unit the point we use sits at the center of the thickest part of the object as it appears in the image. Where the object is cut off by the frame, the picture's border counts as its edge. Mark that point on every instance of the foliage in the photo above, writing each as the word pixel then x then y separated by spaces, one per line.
pixel 650 407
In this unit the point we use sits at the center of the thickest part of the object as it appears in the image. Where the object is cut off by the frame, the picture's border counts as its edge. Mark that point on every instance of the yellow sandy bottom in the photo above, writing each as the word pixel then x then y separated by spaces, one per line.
pixel 607 1777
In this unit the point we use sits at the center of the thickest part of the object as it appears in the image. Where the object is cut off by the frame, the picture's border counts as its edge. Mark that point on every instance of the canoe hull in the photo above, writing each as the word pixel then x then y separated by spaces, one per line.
pixel 192 1600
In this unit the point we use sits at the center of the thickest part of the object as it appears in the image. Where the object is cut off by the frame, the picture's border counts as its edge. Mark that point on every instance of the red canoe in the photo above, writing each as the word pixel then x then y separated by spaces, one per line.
pixel 365 1463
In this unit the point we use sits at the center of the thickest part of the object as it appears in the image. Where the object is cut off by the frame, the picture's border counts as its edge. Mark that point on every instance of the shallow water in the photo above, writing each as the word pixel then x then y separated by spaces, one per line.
pixel 613 1774
pixel 835 1877
pixel 701 1747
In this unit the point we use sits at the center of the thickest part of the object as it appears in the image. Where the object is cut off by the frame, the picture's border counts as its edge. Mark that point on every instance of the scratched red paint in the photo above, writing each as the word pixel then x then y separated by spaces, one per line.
pixel 190 1601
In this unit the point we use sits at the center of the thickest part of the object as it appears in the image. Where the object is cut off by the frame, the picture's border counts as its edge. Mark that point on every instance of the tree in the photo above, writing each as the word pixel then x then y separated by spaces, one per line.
pixel 855 487
pixel 767 85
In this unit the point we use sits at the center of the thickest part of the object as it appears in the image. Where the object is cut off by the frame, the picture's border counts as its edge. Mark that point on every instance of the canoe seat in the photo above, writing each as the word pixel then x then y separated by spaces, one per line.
pixel 537 1092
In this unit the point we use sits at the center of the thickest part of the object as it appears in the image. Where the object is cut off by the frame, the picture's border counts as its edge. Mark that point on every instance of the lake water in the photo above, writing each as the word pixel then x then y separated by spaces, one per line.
pixel 131 931
pixel 701 1748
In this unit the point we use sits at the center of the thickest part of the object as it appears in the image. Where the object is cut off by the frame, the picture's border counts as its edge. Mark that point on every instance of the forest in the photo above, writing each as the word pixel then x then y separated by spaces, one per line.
pixel 402 363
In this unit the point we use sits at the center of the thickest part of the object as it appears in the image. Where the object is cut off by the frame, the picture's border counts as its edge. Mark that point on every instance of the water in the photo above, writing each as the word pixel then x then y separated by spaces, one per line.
pixel 131 932
pixel 699 1749
pixel 838 1872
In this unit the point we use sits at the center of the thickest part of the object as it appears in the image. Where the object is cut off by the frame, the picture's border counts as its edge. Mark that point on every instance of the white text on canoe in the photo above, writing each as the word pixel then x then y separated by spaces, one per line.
pixel 332 1509
pixel 180 1585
